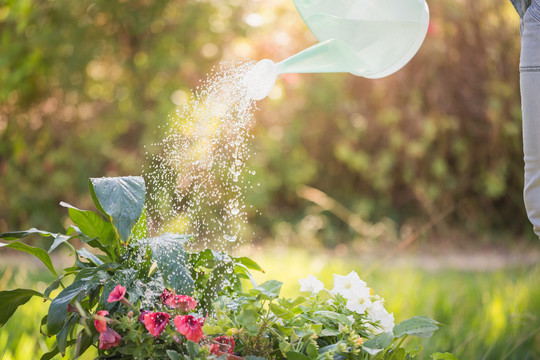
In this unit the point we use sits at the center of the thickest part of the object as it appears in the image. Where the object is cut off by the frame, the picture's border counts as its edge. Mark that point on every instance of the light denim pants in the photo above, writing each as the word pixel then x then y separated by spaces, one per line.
pixel 529 68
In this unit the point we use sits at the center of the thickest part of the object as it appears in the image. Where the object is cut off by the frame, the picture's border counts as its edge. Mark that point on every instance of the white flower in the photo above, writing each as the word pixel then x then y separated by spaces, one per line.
pixel 378 314
pixel 344 285
pixel 358 300
pixel 311 284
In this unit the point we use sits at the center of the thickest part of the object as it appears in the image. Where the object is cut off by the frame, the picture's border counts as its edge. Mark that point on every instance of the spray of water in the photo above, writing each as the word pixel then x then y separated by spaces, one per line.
pixel 197 175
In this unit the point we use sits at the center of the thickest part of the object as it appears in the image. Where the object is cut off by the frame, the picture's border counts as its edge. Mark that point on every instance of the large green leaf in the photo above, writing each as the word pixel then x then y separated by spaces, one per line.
pixel 378 343
pixel 37 252
pixel 248 320
pixel 10 300
pixel 421 326
pixel 92 224
pixel 172 261
pixel 120 198
pixel 269 289
pixel 249 263
pixel 58 308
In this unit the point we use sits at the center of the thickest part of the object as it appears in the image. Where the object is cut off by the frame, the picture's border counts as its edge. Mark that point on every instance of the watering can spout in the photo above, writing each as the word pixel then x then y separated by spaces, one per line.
pixel 324 57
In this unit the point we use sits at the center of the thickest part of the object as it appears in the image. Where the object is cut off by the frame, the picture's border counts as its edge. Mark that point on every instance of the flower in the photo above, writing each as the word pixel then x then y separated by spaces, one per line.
pixel 224 345
pixel 141 317
pixel 378 314
pixel 155 322
pixel 182 302
pixel 101 324
pixel 166 294
pixel 358 300
pixel 190 327
pixel 108 339
pixel 344 285
pixel 311 284
pixel 118 294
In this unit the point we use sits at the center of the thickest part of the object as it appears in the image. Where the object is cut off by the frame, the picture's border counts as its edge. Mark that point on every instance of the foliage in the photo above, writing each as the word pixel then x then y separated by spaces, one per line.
pixel 109 298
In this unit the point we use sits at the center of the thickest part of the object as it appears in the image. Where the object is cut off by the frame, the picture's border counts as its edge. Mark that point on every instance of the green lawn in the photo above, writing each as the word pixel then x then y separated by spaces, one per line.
pixel 487 314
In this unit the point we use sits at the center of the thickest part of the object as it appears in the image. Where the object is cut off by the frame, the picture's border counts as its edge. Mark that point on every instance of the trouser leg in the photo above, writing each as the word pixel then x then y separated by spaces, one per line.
pixel 530 100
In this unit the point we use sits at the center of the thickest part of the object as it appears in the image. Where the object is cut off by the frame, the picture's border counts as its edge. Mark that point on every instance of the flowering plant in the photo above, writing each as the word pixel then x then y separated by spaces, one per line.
pixel 152 298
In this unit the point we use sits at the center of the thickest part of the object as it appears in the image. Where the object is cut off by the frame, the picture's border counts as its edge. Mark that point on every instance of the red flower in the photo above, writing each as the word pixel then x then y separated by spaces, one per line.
pixel 101 324
pixel 224 345
pixel 155 322
pixel 108 339
pixel 214 349
pixel 165 295
pixel 141 317
pixel 190 327
pixel 182 302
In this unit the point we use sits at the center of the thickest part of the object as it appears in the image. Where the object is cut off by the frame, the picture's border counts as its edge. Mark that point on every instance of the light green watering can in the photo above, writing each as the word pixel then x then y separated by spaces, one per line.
pixel 369 38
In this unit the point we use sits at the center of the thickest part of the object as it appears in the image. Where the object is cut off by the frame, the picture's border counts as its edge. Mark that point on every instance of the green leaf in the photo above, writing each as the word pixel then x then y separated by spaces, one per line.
pixel 10 300
pixel 59 240
pixel 61 337
pixel 172 260
pixel 443 356
pixel 312 351
pixel 37 252
pixel 248 320
pixel 173 355
pixel 140 231
pixel 252 357
pixel 122 199
pixel 58 308
pixel 14 235
pixel 329 332
pixel 269 289
pixel 344 320
pixel 249 263
pixel 421 326
pixel 281 312
pixel 378 343
pixel 293 355
pixel 92 224
pixel 85 254
pixel 54 285
pixel 193 349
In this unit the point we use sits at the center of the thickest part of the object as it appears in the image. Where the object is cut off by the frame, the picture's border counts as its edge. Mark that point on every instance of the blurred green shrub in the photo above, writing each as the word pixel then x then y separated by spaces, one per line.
pixel 85 85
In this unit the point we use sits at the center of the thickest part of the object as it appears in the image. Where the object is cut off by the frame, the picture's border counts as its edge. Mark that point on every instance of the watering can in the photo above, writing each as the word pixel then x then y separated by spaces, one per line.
pixel 369 38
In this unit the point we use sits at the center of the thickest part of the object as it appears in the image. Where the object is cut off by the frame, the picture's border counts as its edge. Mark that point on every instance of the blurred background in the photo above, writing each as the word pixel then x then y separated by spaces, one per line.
pixel 414 180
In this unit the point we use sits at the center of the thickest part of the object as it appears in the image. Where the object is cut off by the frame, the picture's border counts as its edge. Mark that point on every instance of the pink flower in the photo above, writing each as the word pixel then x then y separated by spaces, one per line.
pixel 109 338
pixel 190 327
pixel 182 302
pixel 224 345
pixel 118 294
pixel 165 295
pixel 101 324
pixel 155 322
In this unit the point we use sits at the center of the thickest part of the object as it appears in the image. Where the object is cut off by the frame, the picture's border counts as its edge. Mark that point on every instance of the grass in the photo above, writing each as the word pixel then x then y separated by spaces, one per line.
pixel 486 314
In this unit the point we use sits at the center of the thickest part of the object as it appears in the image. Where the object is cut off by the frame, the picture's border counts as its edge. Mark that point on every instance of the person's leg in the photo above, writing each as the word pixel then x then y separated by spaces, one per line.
pixel 530 103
